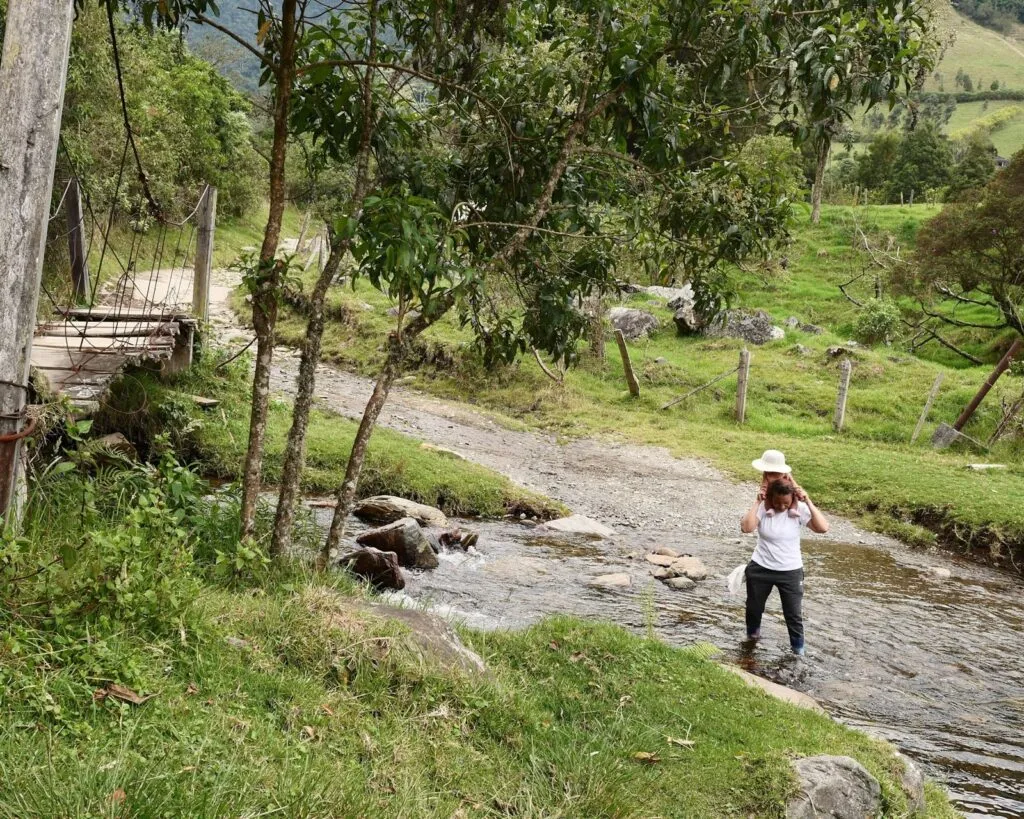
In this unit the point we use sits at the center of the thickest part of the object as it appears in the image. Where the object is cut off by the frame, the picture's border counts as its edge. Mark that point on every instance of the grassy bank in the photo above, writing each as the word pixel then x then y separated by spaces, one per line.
pixel 264 694
pixel 870 469
pixel 141 407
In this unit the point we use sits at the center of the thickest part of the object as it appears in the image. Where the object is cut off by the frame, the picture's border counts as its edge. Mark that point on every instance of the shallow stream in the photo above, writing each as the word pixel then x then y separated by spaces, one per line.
pixel 933 665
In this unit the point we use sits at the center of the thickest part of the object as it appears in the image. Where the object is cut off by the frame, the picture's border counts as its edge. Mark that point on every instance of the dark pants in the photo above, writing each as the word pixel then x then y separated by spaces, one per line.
pixel 760 582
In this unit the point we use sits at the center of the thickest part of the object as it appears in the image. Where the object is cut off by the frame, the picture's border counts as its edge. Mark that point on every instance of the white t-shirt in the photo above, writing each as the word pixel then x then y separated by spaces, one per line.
pixel 778 538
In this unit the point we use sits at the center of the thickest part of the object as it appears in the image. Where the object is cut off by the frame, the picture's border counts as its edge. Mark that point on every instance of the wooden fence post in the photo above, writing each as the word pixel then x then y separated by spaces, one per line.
pixel 742 379
pixel 1004 362
pixel 844 388
pixel 302 233
pixel 631 382
pixel 33 70
pixel 927 406
pixel 76 242
pixel 207 219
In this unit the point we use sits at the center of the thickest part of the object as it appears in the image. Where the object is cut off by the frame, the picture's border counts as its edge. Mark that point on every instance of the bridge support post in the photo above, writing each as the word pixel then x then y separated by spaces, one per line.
pixel 207 218
pixel 76 242
pixel 33 71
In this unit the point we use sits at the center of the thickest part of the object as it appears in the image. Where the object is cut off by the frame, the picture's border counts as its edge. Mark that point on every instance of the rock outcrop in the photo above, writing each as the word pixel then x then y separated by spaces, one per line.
pixel 632 323
pixel 834 787
pixel 388 509
pixel 406 539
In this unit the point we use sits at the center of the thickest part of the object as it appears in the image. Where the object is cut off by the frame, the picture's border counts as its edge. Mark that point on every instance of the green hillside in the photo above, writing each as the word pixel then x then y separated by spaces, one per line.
pixel 984 54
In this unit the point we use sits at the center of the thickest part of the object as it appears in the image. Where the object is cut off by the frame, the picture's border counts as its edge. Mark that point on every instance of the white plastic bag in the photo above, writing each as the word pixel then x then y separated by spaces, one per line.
pixel 737 577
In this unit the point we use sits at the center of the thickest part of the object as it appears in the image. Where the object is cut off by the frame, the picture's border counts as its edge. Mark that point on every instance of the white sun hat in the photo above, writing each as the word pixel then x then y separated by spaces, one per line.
pixel 772 461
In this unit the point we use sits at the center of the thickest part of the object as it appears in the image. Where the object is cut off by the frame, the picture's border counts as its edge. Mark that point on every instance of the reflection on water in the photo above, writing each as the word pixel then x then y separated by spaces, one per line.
pixel 933 666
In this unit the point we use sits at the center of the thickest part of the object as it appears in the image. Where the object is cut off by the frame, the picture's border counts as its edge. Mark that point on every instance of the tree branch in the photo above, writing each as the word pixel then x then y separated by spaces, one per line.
pixel 202 19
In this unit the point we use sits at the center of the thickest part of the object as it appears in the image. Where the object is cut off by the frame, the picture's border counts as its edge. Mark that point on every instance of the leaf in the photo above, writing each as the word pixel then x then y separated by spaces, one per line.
pixel 118 796
pixel 682 743
pixel 261 35
pixel 120 693
pixel 647 757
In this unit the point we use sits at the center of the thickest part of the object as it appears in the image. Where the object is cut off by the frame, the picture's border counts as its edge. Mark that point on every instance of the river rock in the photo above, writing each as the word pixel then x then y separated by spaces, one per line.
pixel 116 442
pixel 379 568
pixel 388 509
pixel 663 573
pixel 619 580
pixel 680 583
pixel 632 323
pixel 838 787
pixel 940 573
pixel 753 326
pixel 774 689
pixel 579 525
pixel 667 551
pixel 675 297
pixel 912 781
pixel 661 560
pixel 691 567
pixel 405 538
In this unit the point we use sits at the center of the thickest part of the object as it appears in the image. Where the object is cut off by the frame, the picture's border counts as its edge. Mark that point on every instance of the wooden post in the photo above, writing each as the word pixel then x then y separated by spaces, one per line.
pixel 76 242
pixel 302 233
pixel 33 71
pixel 631 382
pixel 1004 362
pixel 844 388
pixel 207 220
pixel 742 379
pixel 927 406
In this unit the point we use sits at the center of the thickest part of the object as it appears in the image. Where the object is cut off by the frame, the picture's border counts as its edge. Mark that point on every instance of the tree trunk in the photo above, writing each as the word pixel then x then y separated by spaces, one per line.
pixel 347 492
pixel 819 177
pixel 264 299
pixel 295 449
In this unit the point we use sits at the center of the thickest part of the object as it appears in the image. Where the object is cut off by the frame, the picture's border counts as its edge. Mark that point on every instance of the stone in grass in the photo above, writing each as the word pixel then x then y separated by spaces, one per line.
pixel 619 580
pixel 389 508
pixel 579 525
pixel 913 785
pixel 405 538
pixel 834 786
pixel 378 568
pixel 632 323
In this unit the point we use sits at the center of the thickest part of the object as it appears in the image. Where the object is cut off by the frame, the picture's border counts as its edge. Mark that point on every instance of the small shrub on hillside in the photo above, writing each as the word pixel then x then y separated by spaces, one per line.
pixel 879 322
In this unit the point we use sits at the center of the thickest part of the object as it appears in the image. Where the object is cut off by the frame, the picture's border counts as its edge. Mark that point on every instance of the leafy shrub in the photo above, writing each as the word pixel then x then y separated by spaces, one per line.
pixel 879 322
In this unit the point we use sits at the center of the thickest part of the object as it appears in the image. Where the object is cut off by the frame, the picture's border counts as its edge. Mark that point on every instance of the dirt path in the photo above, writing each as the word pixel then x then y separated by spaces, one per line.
pixel 631 488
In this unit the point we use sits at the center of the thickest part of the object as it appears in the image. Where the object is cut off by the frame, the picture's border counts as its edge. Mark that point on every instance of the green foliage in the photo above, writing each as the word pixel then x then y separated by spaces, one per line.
pixel 973 253
pixel 975 168
pixel 922 163
pixel 879 322
pixel 191 127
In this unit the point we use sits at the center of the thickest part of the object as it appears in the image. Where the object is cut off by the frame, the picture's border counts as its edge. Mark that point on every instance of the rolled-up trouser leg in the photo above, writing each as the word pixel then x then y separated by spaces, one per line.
pixel 791 590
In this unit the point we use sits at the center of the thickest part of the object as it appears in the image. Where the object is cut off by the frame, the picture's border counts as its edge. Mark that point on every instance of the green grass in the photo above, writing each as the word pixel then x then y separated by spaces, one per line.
pixel 984 54
pixel 141 406
pixel 279 694
pixel 869 470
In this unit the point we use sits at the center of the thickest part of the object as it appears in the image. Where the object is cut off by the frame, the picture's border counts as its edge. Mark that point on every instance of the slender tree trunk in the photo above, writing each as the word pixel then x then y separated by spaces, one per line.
pixel 295 451
pixel 347 492
pixel 264 299
pixel 819 178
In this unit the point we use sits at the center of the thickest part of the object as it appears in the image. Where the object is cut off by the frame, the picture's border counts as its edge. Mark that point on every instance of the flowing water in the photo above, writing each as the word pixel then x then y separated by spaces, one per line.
pixel 932 665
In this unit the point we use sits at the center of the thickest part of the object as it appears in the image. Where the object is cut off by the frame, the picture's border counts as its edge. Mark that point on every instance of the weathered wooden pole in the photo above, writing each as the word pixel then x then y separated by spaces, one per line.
pixel 631 382
pixel 207 221
pixel 1004 362
pixel 302 233
pixel 742 379
pixel 927 406
pixel 844 388
pixel 33 70
pixel 76 242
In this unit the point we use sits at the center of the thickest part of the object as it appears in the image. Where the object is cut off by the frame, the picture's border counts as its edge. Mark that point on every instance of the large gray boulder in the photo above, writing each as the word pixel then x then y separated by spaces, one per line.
pixel 405 538
pixel 631 322
pixel 388 509
pixel 753 326
pixel 578 525
pixel 834 787
pixel 379 568
pixel 675 297
pixel 912 781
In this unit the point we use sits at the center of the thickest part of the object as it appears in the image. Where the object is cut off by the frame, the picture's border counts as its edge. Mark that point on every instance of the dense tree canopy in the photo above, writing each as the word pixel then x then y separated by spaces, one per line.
pixel 970 258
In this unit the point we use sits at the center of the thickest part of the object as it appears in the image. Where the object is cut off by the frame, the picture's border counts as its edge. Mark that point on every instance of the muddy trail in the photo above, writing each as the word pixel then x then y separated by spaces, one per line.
pixel 930 663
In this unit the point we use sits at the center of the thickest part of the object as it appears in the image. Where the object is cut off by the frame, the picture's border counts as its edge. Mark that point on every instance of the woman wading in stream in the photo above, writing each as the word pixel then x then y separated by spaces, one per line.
pixel 777 561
